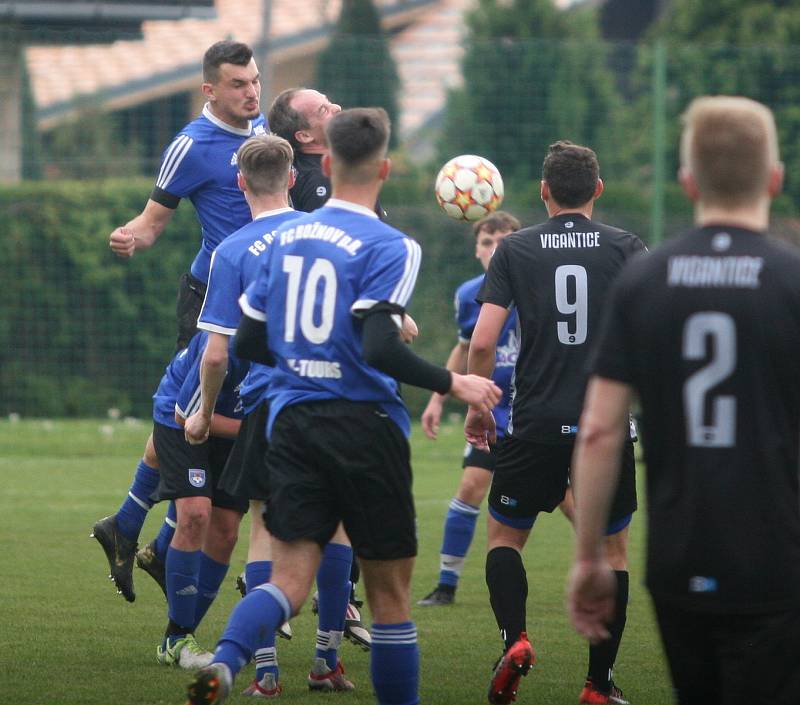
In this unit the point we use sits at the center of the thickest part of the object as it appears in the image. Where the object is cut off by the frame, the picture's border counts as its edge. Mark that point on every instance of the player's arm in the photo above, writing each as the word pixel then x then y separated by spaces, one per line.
pixel 141 232
pixel 250 341
pixel 432 415
pixel 222 426
pixel 479 427
pixel 383 349
pixel 595 472
pixel 213 368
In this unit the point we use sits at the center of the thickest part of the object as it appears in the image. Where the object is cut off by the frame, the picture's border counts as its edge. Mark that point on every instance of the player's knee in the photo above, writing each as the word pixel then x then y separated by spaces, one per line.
pixel 473 489
pixel 150 457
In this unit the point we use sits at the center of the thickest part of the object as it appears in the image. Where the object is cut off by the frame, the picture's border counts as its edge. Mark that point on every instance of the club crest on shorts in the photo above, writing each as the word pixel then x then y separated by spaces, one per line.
pixel 197 477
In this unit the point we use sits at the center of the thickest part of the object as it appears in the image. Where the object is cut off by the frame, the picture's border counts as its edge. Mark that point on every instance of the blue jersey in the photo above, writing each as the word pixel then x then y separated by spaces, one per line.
pixel 324 272
pixel 179 389
pixel 234 265
pixel 467 310
pixel 200 164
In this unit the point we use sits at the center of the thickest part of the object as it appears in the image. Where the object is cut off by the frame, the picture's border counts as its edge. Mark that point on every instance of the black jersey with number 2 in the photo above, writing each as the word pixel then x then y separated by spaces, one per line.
pixel 558 274
pixel 707 330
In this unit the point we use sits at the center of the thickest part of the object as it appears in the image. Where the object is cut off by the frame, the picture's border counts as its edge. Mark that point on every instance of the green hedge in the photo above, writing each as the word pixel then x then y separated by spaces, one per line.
pixel 82 331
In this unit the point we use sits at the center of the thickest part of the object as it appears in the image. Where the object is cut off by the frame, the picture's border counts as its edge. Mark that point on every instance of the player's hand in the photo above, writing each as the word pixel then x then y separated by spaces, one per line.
pixel 479 392
pixel 590 599
pixel 480 429
pixel 196 429
pixel 409 331
pixel 432 416
pixel 122 242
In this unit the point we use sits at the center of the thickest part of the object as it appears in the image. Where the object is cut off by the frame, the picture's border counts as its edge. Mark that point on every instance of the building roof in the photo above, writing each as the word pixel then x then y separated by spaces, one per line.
pixel 167 58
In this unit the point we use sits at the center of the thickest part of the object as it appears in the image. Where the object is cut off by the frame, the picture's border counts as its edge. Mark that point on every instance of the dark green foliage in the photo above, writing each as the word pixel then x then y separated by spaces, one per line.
pixel 356 69
pixel 532 75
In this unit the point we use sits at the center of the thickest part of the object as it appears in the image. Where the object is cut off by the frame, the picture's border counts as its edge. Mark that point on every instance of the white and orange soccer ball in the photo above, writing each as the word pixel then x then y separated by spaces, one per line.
pixel 469 187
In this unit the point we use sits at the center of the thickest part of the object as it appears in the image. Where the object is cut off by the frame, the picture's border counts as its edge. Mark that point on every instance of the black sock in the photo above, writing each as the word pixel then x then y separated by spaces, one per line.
pixel 508 591
pixel 602 656
pixel 441 587
pixel 174 628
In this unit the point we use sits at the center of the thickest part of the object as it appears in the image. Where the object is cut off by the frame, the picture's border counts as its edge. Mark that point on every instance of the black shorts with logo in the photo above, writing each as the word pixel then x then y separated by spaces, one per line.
pixel 187 470
pixel 191 294
pixel 245 473
pixel 338 460
pixel 532 477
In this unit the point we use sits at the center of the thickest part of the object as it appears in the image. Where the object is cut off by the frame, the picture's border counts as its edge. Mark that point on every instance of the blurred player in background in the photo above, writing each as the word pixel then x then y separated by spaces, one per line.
pixel 462 515
pixel 337 426
pixel 199 164
pixel 557 275
pixel 706 331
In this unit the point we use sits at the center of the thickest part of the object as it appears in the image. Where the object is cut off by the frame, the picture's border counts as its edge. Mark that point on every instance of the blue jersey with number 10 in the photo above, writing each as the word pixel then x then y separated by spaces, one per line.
pixel 324 272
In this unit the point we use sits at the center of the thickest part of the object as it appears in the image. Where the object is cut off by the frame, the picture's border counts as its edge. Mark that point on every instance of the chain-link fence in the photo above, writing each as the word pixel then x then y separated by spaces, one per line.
pixel 82 332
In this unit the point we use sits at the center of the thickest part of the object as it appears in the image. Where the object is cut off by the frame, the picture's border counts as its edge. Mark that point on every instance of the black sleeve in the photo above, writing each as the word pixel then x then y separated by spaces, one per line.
pixel 250 342
pixel 496 287
pixel 165 198
pixel 311 191
pixel 385 350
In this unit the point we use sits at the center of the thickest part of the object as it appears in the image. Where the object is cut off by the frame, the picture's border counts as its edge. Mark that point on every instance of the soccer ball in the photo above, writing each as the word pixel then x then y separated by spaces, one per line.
pixel 469 187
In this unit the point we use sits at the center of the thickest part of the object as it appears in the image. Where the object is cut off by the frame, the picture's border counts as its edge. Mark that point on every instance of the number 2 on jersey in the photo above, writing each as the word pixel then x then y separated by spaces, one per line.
pixel 322 270
pixel 579 305
pixel 721 329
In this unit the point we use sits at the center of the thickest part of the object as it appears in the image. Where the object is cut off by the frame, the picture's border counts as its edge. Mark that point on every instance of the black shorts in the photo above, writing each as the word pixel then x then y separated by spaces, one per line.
pixel 245 473
pixel 532 477
pixel 192 471
pixel 191 293
pixel 475 458
pixel 332 461
pixel 724 659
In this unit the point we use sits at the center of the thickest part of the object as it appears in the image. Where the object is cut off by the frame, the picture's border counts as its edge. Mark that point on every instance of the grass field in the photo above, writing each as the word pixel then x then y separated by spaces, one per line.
pixel 68 638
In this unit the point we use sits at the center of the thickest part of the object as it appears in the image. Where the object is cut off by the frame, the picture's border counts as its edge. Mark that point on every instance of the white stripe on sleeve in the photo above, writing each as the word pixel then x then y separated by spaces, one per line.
pixel 172 159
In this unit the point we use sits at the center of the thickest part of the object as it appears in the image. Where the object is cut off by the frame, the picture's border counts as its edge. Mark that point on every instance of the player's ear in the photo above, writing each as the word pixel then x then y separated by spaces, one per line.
pixel 775 182
pixel 303 137
pixel 688 184
pixel 326 165
pixel 240 182
pixel 208 91
pixel 598 189
pixel 386 168
pixel 292 177
pixel 544 191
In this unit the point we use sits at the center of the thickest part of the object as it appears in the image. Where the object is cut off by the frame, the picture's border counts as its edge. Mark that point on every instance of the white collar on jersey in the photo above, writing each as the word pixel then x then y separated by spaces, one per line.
pixel 244 131
pixel 350 206
pixel 267 214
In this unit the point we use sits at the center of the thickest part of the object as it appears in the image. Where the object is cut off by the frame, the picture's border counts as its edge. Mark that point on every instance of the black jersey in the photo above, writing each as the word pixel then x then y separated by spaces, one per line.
pixel 707 330
pixel 311 187
pixel 558 274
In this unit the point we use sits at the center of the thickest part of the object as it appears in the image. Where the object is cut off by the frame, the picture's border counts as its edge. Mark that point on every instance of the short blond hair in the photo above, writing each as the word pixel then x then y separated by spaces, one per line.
pixel 265 161
pixel 730 146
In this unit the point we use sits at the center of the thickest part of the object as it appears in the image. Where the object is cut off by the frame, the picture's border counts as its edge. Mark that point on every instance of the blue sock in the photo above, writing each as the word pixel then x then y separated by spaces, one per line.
pixel 252 623
pixel 183 571
pixel 211 576
pixel 257 573
pixel 333 582
pixel 133 511
pixel 166 533
pixel 394 663
pixel 459 528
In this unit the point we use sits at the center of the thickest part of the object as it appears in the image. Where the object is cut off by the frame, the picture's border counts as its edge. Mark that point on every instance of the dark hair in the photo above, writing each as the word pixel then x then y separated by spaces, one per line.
pixel 224 52
pixel 284 120
pixel 265 161
pixel 358 134
pixel 571 172
pixel 496 222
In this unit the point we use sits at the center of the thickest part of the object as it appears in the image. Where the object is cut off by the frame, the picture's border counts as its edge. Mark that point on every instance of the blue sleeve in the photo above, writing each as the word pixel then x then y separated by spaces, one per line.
pixel 221 312
pixel 391 276
pixel 467 310
pixel 254 300
pixel 182 170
